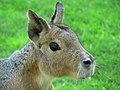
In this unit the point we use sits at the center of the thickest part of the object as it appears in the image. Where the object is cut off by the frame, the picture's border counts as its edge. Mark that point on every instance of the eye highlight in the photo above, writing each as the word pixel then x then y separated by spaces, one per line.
pixel 54 46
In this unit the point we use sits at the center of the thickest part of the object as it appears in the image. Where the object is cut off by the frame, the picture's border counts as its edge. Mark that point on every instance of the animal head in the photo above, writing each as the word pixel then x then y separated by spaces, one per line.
pixel 59 51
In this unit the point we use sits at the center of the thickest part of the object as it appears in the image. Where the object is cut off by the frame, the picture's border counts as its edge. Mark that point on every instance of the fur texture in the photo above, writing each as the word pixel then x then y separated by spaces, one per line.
pixel 36 65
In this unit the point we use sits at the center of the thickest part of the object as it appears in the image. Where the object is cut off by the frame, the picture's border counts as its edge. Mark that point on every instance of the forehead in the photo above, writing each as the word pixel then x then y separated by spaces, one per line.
pixel 61 31
pixel 64 34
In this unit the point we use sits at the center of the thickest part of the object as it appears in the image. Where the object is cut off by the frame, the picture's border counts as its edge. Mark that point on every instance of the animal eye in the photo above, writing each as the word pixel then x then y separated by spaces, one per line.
pixel 54 46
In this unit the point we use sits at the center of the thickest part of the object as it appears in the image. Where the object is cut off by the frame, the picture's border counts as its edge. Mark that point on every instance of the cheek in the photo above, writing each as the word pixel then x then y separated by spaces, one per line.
pixel 52 63
pixel 59 63
pixel 74 61
pixel 73 64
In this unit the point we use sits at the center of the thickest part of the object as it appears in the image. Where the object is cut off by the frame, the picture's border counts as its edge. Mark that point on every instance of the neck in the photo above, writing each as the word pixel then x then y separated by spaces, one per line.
pixel 31 70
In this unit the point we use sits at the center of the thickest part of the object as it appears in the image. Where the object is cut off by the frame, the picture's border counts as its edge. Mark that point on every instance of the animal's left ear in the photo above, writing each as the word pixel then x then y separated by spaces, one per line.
pixel 57 17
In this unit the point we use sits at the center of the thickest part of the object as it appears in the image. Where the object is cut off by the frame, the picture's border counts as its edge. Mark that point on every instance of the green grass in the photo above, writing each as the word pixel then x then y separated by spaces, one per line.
pixel 97 23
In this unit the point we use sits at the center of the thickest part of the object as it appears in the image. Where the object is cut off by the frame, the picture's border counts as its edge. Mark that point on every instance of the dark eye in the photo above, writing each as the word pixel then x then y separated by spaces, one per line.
pixel 54 46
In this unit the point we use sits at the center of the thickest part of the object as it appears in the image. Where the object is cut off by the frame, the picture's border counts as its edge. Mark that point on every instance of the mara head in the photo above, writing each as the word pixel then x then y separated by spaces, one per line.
pixel 58 49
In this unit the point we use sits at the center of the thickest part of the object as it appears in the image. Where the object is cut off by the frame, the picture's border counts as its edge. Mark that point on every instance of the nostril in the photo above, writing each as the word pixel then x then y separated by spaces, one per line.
pixel 87 62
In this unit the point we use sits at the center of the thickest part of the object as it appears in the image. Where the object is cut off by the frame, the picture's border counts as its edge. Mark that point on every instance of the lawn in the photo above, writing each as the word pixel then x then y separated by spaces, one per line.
pixel 97 23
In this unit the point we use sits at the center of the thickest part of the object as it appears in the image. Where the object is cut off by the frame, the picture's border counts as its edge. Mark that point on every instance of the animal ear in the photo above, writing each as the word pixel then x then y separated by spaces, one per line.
pixel 57 17
pixel 36 25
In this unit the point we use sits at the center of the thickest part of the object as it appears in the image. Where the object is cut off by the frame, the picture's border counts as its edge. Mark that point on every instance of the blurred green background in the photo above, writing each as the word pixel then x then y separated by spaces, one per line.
pixel 97 23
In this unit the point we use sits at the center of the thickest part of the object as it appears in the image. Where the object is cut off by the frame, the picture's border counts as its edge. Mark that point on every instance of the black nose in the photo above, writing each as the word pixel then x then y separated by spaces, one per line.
pixel 87 63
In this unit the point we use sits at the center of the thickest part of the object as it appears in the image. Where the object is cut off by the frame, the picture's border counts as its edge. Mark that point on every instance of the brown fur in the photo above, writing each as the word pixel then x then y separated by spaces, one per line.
pixel 36 65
